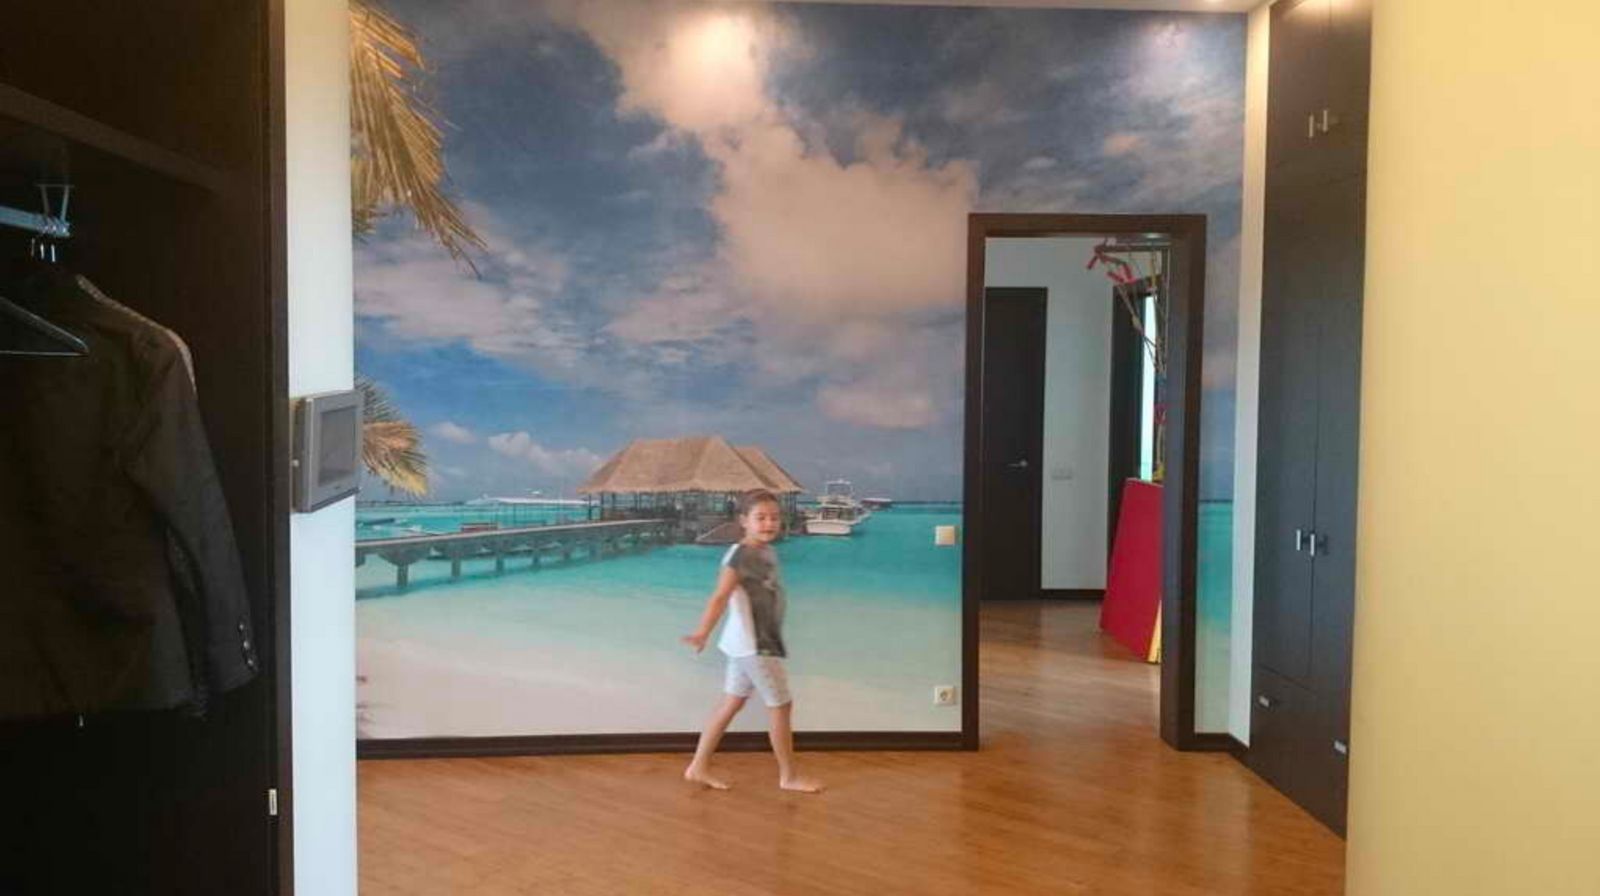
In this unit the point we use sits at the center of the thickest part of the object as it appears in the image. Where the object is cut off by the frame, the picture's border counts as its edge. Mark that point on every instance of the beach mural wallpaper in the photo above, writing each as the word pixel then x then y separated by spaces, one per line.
pixel 702 247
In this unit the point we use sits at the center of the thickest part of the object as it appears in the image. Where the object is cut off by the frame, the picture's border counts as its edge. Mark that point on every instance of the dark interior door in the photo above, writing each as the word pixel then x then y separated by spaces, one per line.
pixel 1012 441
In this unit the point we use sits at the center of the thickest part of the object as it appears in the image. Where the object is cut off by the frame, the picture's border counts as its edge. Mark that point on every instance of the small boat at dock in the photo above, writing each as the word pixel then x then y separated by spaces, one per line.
pixel 837 511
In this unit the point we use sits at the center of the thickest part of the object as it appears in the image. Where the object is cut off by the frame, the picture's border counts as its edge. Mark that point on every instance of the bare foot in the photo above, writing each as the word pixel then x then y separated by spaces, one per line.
pixel 704 779
pixel 800 785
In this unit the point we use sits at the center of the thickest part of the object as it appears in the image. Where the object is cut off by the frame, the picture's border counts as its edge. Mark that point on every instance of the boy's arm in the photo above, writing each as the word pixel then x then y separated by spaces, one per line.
pixel 727 580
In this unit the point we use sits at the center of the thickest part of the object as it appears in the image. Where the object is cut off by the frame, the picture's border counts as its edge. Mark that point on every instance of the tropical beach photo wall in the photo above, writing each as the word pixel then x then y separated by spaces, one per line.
pixel 683 250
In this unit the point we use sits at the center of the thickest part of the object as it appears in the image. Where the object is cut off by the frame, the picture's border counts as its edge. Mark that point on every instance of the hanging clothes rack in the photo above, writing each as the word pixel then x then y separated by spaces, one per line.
pixel 48 340
pixel 48 223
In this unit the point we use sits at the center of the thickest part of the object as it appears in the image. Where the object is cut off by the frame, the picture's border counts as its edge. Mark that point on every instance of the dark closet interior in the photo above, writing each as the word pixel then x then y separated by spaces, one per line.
pixel 1310 401
pixel 164 117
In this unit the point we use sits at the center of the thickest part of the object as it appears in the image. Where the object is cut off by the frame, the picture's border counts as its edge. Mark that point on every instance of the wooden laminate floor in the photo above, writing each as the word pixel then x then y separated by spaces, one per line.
pixel 1073 792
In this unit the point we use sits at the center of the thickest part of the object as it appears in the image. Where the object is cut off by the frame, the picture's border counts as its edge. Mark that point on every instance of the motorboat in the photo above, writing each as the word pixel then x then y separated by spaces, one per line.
pixel 837 511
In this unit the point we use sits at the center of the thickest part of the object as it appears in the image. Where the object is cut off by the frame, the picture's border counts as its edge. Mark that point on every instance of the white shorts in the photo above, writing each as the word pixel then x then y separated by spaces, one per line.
pixel 758 673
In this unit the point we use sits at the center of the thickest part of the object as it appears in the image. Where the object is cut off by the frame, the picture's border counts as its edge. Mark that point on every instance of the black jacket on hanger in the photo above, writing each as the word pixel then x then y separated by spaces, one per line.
pixel 120 583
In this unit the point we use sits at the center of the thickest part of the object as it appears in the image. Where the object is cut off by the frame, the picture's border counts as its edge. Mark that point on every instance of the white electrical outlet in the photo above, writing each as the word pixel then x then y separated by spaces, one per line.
pixel 944 695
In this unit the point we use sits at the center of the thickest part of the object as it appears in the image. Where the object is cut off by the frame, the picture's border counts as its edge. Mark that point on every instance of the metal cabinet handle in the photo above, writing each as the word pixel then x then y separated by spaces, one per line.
pixel 1342 748
pixel 1328 120
pixel 1319 544
pixel 1311 126
pixel 1265 702
pixel 1299 540
pixel 1019 465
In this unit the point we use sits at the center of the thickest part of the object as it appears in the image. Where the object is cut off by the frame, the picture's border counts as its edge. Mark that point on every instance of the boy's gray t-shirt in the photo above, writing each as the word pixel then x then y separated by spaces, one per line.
pixel 757 570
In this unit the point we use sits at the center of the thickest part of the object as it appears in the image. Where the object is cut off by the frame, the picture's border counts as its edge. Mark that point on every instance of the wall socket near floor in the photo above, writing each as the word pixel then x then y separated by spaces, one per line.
pixel 944 695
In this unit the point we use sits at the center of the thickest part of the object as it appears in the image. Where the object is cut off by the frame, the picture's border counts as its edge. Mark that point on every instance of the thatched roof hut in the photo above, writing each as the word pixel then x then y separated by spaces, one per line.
pixel 695 464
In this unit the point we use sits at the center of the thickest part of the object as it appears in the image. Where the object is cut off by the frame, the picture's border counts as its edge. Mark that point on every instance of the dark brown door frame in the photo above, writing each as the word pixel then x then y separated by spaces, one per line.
pixel 1181 499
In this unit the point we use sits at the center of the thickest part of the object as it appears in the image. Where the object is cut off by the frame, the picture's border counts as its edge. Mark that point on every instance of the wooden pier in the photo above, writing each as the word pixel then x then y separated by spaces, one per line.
pixel 532 542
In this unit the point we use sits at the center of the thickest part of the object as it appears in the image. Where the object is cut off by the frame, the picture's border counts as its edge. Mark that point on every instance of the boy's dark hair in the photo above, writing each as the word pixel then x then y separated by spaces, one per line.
pixel 749 500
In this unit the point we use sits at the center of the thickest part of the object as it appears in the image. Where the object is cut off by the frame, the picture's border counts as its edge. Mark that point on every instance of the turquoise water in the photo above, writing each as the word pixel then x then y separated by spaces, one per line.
pixel 891 556
pixel 591 645
pixel 874 625
pixel 1214 631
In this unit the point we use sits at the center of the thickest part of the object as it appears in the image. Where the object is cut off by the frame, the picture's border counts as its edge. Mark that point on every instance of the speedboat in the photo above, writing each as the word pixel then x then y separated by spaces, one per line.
pixel 837 511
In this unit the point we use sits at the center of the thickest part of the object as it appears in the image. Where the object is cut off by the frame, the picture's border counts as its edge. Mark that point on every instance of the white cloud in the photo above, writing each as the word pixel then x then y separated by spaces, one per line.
pixel 978 104
pixel 687 307
pixel 666 142
pixel 870 404
pixel 453 432
pixel 560 463
pixel 808 238
pixel 414 292
pixel 913 380
pixel 1121 143
pixel 810 246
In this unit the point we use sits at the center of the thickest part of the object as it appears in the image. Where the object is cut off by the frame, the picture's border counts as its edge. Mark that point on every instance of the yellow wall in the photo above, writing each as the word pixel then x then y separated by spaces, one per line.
pixel 1476 744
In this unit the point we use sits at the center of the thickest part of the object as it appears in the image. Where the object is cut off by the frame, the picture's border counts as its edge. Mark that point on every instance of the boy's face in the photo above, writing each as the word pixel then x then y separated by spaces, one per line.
pixel 763 522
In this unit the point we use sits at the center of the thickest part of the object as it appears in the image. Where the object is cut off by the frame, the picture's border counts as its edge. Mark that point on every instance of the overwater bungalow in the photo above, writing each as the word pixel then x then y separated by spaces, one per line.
pixel 696 480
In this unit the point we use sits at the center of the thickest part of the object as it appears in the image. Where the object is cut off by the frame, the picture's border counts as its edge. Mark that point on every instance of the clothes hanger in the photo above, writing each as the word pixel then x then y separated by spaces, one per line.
pixel 24 333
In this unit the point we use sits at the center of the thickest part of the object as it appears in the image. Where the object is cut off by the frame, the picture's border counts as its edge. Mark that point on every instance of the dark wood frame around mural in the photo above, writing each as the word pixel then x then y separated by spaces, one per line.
pixel 666 742
pixel 1181 496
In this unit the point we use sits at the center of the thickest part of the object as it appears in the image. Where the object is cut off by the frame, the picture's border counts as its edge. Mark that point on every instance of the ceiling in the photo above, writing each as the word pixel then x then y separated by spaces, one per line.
pixel 1182 5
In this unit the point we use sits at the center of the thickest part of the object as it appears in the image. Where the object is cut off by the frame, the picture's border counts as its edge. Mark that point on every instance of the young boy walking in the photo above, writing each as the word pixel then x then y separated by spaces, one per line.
pixel 749 589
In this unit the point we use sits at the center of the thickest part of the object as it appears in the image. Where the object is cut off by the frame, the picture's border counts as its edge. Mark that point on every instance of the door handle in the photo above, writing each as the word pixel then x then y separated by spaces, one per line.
pixel 1299 540
pixel 1311 126
pixel 1318 543
pixel 1019 464
pixel 1265 702
pixel 1328 120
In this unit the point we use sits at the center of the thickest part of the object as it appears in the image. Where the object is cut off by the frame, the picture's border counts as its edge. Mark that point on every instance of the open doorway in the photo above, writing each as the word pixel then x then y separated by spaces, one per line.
pixel 1056 420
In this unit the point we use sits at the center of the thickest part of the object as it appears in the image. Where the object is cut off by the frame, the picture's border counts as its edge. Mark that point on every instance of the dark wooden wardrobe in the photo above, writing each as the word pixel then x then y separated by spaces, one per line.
pixel 1310 400
pixel 165 116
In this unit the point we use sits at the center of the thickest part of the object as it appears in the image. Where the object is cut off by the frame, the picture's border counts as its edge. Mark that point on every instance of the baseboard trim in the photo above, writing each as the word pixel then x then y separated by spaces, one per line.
pixel 1216 743
pixel 676 742
pixel 1072 593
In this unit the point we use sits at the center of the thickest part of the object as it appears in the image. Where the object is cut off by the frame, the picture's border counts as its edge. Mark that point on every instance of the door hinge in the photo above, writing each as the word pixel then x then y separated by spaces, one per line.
pixel 272 802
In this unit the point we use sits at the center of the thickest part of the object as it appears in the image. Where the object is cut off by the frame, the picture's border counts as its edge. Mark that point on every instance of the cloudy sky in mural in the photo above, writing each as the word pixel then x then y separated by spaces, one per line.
pixel 750 220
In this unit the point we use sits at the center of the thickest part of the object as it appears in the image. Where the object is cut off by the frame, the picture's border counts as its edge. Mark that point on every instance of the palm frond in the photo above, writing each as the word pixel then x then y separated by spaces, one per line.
pixel 398 151
pixel 390 444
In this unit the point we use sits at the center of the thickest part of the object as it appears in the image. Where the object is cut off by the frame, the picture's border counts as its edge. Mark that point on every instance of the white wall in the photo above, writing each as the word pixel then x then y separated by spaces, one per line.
pixel 321 354
pixel 1251 234
pixel 1077 399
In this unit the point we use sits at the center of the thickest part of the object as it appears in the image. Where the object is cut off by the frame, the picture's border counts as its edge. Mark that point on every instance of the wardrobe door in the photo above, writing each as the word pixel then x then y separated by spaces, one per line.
pixel 1287 449
pixel 1349 78
pixel 1296 87
pixel 1342 205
